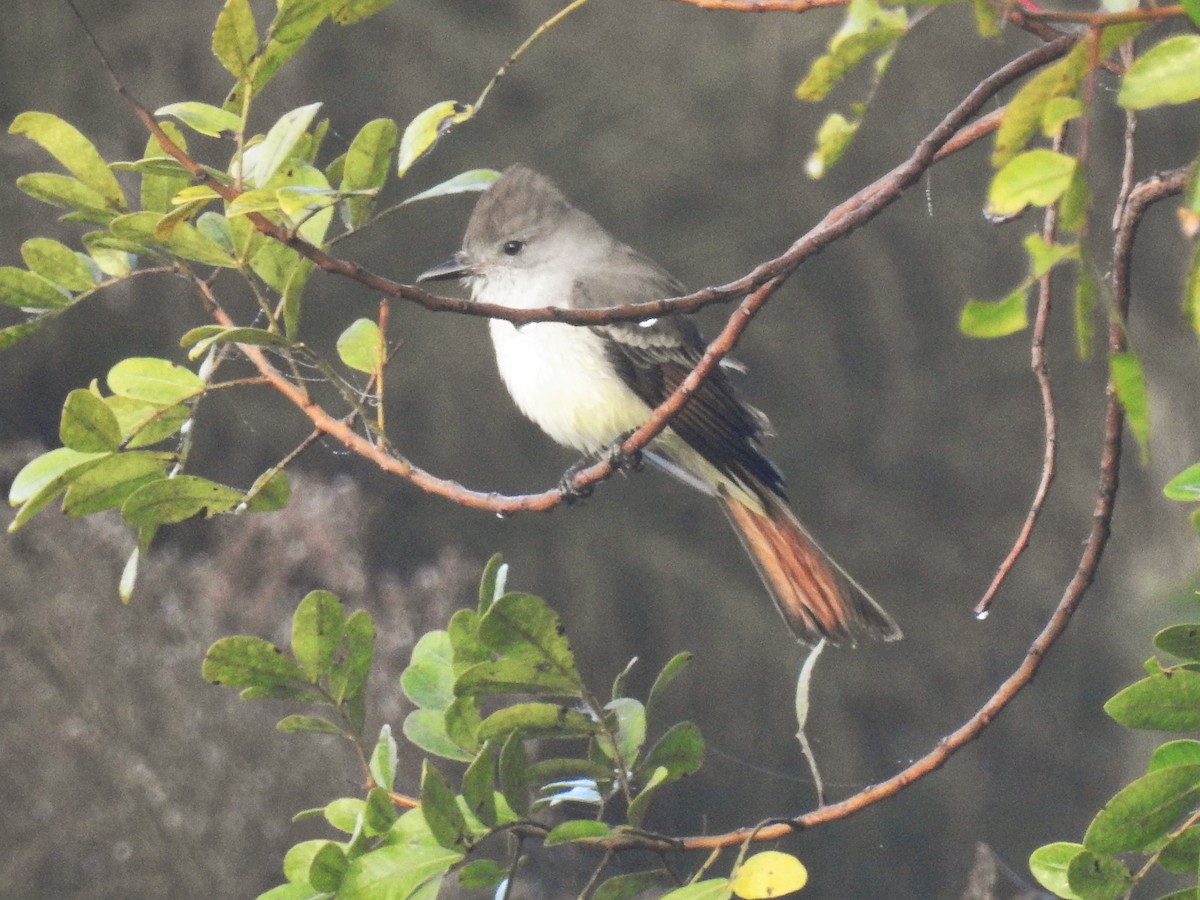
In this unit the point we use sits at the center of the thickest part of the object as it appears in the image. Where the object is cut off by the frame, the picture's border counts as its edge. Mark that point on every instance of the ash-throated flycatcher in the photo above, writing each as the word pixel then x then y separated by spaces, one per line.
pixel 526 247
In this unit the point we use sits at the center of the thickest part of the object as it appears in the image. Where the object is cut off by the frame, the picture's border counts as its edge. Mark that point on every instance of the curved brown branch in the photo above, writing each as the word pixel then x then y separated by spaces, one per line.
pixel 1041 372
pixel 1143 195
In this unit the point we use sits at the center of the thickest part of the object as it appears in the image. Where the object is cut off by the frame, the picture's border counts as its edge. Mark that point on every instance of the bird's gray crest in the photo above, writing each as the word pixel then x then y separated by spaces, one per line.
pixel 519 202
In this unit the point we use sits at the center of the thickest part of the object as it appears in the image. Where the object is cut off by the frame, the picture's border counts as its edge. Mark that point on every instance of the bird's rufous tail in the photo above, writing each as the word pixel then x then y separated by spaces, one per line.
pixel 817 599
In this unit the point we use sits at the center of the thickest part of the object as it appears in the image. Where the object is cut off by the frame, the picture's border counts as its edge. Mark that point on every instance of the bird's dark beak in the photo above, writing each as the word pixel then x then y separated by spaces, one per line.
pixel 455 267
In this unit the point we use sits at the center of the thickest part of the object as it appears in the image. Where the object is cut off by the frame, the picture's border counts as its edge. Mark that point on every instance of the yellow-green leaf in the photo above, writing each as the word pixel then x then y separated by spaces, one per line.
pixel 1037 177
pixel 769 874
pixel 154 380
pixel 24 289
pixel 1167 73
pixel 67 144
pixel 833 137
pixel 59 263
pixel 358 346
pixel 998 318
pixel 1129 380
pixel 202 117
pixel 235 38
pixel 423 131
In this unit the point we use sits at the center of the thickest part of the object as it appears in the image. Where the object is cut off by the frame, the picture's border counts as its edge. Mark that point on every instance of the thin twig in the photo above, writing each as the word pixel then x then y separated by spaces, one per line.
pixel 1041 372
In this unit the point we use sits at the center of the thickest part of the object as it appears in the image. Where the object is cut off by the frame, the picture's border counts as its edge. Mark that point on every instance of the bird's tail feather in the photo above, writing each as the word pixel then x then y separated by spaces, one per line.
pixel 814 594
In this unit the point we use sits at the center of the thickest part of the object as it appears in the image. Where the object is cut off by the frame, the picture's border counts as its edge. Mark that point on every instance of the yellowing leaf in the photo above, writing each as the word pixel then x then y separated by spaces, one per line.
pixel 65 143
pixel 769 874
pixel 358 346
pixel 991 319
pixel 423 131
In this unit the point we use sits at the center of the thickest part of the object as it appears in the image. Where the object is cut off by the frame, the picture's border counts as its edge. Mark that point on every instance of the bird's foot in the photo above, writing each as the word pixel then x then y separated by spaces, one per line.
pixel 566 485
pixel 622 461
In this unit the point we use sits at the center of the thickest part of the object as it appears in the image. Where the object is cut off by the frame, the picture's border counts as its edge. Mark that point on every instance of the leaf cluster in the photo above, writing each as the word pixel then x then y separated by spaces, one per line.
pixel 1154 816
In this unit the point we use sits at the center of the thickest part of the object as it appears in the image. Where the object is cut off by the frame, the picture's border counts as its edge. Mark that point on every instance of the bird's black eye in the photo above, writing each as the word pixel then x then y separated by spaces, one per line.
pixel 512 248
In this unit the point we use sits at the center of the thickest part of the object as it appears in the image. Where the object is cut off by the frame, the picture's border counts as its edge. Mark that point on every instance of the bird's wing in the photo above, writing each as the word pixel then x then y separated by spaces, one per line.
pixel 654 356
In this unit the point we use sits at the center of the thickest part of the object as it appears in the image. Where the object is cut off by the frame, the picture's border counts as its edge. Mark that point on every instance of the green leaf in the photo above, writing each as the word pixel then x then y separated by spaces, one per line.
pixel 1043 256
pixel 265 159
pixel 366 167
pixel 1174 753
pixel 56 466
pixel 769 874
pixel 514 774
pixel 327 867
pixel 293 291
pixel 640 804
pixel 627 718
pixel 441 811
pixel 271 491
pixel 1058 112
pixel 680 751
pixel 379 814
pixel 491 585
pixel 108 484
pixel 1167 73
pixel 846 52
pixel 347 12
pixel 523 627
pixel 235 39
pixel 359 345
pixel 424 131
pixel 1129 381
pixel 464 638
pixel 1076 203
pixel 1049 865
pixel 992 319
pixel 202 117
pixel 14 333
pixel 298 858
pixel 462 719
pixel 77 154
pixel 310 724
pixel 467 182
pixel 1086 290
pixel 396 871
pixel 151 380
pixel 1144 811
pixel 384 758
pixel 317 632
pixel 576 830
pixel 481 873
pixel 1180 640
pixel 632 884
pixel 1182 854
pixel 44 478
pixel 1185 486
pixel 87 424
pixel 479 787
pixel 1098 877
pixel 24 289
pixel 1036 177
pixel 348 677
pixel 144 423
pixel 1025 113
pixel 543 720
pixel 426 729
pixel 170 500
pixel 344 813
pixel 177 237
pixel 243 661
pixel 428 681
pixel 60 264
pixel 1169 701
pixel 87 205
pixel 512 676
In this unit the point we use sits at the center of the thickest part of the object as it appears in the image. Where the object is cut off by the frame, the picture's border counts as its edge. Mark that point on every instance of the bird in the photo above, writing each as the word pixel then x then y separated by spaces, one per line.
pixel 587 386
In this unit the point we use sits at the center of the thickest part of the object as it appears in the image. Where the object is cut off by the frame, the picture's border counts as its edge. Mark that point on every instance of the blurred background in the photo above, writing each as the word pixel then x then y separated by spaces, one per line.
pixel 911 451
